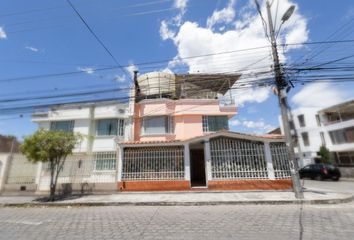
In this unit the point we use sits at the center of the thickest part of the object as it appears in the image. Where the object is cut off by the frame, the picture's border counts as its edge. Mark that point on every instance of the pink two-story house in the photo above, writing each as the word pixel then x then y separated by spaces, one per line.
pixel 181 139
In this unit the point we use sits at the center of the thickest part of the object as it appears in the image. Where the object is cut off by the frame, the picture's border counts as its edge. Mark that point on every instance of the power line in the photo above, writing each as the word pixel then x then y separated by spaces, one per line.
pixel 96 37
pixel 164 61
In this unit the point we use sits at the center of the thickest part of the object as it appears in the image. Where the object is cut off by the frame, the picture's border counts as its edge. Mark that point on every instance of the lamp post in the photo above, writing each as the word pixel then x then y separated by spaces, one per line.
pixel 282 87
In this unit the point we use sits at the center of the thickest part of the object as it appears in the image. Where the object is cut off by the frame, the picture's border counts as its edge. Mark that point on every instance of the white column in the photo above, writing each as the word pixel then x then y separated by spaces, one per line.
pixel 207 158
pixel 5 171
pixel 187 163
pixel 268 158
pixel 120 163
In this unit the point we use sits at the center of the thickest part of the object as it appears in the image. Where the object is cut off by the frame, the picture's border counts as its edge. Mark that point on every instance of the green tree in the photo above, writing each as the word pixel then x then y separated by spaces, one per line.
pixel 50 147
pixel 324 155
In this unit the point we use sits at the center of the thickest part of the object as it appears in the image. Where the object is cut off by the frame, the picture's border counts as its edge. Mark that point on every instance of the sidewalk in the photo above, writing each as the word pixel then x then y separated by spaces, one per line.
pixel 183 198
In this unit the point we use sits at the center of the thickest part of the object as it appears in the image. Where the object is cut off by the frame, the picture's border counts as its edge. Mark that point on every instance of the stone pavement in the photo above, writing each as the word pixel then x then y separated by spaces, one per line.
pixel 180 222
pixel 185 198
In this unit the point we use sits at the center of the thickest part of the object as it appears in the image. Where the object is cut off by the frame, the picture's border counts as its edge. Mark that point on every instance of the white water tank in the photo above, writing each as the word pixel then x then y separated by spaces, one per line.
pixel 157 83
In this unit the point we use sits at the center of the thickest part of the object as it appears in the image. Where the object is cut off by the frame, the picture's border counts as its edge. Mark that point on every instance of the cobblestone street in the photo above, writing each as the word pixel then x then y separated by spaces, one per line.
pixel 188 222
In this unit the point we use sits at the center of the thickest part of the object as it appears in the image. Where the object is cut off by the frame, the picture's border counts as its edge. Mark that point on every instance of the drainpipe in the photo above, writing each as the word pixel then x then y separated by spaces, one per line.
pixel 136 84
pixel 134 97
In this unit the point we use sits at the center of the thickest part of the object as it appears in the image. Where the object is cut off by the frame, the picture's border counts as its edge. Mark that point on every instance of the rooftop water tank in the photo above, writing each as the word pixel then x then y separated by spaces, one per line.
pixel 157 84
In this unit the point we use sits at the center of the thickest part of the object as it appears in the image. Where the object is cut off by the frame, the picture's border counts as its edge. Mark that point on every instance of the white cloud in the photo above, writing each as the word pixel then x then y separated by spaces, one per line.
pixel 3 34
pixel 33 49
pixel 225 15
pixel 131 68
pixel 260 126
pixel 194 39
pixel 167 27
pixel 318 95
pixel 88 70
pixel 165 32
pixel 251 95
pixel 181 4
pixel 234 122
pixel 120 78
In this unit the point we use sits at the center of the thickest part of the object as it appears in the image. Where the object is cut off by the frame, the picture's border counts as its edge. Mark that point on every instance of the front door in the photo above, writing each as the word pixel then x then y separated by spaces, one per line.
pixel 197 168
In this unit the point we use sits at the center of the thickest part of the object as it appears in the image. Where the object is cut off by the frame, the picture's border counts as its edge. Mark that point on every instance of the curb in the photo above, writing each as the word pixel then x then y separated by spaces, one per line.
pixel 214 203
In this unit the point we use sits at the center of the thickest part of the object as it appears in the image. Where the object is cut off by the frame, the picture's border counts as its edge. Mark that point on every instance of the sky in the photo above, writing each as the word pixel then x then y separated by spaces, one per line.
pixel 45 49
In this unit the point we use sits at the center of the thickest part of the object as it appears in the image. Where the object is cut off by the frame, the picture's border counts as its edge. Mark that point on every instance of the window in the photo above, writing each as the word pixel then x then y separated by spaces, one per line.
pixel 105 161
pixel 323 140
pixel 344 158
pixel 291 125
pixel 157 125
pixel 318 120
pixel 110 127
pixel 215 123
pixel 345 135
pixel 301 120
pixel 65 126
pixel 305 138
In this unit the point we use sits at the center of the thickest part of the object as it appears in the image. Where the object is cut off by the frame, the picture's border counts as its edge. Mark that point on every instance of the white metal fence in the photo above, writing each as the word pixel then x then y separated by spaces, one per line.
pixel 237 159
pixel 280 157
pixel 81 168
pixel 153 163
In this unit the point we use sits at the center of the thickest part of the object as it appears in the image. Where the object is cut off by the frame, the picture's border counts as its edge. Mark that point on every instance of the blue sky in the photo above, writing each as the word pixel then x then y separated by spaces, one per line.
pixel 41 37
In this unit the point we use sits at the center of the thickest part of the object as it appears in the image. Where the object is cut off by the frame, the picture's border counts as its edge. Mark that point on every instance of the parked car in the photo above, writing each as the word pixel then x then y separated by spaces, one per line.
pixel 320 171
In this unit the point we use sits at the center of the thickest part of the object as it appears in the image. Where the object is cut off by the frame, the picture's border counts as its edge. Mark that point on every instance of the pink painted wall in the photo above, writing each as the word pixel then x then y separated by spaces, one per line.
pixel 187 115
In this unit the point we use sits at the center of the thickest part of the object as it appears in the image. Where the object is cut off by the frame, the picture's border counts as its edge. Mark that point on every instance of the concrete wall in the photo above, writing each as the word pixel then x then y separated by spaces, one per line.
pixel 85 118
pixel 187 116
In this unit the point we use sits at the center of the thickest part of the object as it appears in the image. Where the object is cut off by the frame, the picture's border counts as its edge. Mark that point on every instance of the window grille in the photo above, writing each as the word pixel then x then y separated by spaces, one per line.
pixel 280 158
pixel 65 126
pixel 237 159
pixel 153 163
pixel 105 161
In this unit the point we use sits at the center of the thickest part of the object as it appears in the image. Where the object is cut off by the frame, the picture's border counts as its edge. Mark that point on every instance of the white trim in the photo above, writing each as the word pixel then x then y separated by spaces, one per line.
pixel 268 158
pixel 120 157
pixel 187 163
pixel 207 161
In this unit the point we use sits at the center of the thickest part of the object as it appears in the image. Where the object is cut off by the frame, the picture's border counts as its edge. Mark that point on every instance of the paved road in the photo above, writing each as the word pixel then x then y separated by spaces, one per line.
pixel 189 222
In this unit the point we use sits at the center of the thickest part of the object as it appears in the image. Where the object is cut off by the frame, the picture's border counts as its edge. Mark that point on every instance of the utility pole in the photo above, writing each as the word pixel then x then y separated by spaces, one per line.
pixel 282 85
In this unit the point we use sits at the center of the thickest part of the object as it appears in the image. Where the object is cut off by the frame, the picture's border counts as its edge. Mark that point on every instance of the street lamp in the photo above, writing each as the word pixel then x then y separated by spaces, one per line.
pixel 282 84
pixel 288 13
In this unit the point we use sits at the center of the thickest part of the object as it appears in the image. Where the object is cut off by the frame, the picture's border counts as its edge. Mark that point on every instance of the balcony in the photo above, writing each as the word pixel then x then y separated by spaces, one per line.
pixel 339 113
pixel 39 115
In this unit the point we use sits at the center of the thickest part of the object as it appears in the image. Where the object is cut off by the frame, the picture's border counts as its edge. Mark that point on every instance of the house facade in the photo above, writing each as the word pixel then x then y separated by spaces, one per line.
pixel 92 167
pixel 182 140
pixel 172 135
pixel 332 127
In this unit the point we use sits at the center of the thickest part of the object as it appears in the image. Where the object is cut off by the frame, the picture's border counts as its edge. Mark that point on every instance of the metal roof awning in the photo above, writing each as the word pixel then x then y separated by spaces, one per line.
pixel 219 83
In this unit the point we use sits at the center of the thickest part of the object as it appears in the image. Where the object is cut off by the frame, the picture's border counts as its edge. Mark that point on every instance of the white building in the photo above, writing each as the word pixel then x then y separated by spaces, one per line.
pixel 93 166
pixel 332 127
pixel 98 123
